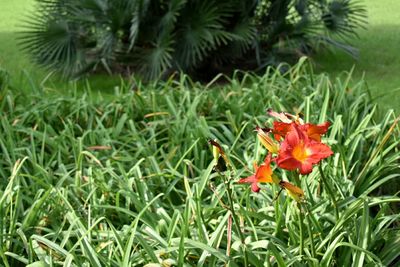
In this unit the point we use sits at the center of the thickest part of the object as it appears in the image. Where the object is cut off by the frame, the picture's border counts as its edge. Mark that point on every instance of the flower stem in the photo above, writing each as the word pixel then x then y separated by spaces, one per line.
pixel 310 233
pixel 235 217
pixel 301 230
pixel 301 218
pixel 330 191
pixel 297 179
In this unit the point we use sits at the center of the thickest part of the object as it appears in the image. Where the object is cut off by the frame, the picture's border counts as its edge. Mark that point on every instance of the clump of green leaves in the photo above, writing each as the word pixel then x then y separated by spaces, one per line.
pixel 4 79
pixel 128 180
pixel 157 38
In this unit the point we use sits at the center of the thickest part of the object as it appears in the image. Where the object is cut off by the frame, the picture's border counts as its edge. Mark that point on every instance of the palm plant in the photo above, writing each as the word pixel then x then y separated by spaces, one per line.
pixel 154 38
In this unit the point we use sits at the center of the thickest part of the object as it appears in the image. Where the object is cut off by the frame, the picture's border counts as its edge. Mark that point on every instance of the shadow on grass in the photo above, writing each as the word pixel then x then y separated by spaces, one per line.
pixel 378 63
pixel 379 60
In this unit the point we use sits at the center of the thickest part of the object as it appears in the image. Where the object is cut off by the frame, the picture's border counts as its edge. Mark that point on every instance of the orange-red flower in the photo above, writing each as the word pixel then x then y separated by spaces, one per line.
pixel 281 129
pixel 313 131
pixel 263 174
pixel 299 151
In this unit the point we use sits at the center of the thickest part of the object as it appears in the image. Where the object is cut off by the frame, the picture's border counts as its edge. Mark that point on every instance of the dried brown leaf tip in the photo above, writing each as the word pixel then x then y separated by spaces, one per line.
pixel 222 161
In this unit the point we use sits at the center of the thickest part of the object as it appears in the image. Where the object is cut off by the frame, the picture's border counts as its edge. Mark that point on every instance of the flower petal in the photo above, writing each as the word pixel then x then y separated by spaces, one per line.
pixel 264 173
pixel 318 151
pixel 298 151
pixel 306 167
pixel 281 129
pixel 295 136
pixel 280 115
pixel 267 141
pixel 255 188
pixel 287 163
pixel 314 132
pixel 250 179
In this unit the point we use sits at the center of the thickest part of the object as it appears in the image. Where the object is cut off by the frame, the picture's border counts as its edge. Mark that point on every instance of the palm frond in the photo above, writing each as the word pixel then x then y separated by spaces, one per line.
pixel 157 59
pixel 77 36
pixel 344 17
pixel 202 30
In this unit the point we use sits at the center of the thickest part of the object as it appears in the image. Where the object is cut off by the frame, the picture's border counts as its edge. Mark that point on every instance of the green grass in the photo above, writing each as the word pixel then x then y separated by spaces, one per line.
pixel 11 58
pixel 379 59
pixel 22 72
pixel 148 193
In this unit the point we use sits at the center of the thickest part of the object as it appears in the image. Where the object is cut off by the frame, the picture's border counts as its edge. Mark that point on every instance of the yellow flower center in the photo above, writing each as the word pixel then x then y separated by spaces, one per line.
pixel 300 153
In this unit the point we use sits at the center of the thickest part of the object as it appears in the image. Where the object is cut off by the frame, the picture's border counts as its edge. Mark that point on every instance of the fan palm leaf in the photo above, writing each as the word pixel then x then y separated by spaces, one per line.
pixel 155 37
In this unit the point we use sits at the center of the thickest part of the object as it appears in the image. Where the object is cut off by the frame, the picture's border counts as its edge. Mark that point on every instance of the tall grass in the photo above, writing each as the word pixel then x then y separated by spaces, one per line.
pixel 129 181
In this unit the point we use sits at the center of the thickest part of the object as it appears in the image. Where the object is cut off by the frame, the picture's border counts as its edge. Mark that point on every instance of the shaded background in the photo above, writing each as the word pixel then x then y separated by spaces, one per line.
pixel 378 63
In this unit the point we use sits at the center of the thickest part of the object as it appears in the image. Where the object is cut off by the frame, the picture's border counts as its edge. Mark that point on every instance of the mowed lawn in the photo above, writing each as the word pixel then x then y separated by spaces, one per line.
pixel 379 59
pixel 379 44
pixel 12 13
pixel 23 73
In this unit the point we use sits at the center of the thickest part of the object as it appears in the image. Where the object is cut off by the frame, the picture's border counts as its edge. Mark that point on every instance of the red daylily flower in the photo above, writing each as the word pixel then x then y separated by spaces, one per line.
pixel 313 131
pixel 263 174
pixel 299 151
pixel 281 129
